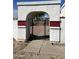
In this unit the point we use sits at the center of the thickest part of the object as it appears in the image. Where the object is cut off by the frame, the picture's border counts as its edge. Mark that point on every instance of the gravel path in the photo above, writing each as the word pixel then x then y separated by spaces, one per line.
pixel 41 49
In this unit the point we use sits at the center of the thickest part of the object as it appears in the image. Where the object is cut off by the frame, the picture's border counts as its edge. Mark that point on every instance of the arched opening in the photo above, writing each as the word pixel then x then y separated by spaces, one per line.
pixel 38 25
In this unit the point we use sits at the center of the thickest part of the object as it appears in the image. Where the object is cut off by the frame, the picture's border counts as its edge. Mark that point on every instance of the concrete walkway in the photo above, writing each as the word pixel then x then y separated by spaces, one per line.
pixel 42 49
pixel 34 46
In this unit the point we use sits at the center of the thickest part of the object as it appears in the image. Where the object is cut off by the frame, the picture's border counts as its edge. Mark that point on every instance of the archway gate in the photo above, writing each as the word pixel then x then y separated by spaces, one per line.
pixel 38 25
pixel 52 8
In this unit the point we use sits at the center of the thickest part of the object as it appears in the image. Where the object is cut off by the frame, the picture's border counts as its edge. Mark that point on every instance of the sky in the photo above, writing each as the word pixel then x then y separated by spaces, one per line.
pixel 15 5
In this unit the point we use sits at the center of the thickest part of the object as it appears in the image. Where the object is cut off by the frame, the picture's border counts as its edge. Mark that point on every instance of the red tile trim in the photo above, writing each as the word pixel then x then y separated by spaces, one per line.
pixel 55 23
pixel 52 23
pixel 22 23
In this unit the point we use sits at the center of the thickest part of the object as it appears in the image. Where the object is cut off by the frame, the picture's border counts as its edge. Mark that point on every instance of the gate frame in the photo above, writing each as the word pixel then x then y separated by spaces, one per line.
pixel 54 16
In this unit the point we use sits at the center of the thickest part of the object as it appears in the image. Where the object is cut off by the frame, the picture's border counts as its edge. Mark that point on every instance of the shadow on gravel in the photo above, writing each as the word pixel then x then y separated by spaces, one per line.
pixel 35 37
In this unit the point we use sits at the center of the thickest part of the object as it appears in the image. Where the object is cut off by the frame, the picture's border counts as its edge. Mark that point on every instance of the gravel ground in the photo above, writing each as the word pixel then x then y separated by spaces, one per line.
pixel 17 46
pixel 38 49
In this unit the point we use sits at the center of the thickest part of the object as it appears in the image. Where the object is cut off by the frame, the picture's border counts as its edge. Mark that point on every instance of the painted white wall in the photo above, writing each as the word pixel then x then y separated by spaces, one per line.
pixel 54 35
pixel 62 24
pixel 21 34
pixel 52 10
pixel 15 29
pixel 18 34
pixel 62 36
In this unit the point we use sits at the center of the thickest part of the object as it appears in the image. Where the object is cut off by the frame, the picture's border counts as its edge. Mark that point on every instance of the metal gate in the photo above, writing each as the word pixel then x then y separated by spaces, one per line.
pixel 39 29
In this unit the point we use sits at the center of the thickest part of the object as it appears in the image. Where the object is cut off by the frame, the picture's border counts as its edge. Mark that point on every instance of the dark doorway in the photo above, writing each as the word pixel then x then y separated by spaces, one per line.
pixel 39 26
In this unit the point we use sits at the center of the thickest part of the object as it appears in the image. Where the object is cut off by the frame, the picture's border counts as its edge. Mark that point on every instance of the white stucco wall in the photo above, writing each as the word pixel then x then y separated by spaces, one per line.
pixel 54 35
pixel 22 34
pixel 52 10
pixel 62 36
pixel 15 29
